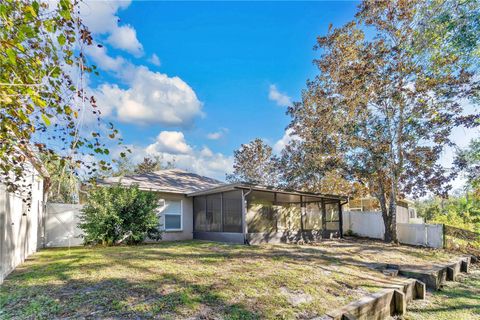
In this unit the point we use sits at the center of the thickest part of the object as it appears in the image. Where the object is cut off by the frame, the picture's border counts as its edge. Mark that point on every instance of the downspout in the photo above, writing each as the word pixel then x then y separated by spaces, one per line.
pixel 340 216
pixel 244 216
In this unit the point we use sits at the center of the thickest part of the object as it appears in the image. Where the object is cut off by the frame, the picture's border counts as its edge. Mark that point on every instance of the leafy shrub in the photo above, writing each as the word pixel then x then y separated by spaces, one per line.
pixel 117 214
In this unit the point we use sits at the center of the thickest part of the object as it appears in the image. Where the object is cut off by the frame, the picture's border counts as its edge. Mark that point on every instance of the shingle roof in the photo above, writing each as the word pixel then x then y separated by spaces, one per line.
pixel 171 180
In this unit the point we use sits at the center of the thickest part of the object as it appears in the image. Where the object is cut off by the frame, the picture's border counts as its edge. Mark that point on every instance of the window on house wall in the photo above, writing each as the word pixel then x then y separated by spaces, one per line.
pixel 171 210
pixel 412 213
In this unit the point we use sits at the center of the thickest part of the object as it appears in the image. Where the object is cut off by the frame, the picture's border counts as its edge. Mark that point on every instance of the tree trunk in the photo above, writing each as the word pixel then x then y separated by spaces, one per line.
pixel 393 217
pixel 387 221
pixel 388 214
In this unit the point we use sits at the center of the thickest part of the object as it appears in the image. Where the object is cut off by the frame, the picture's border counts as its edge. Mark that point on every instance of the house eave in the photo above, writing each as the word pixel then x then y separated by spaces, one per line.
pixel 257 187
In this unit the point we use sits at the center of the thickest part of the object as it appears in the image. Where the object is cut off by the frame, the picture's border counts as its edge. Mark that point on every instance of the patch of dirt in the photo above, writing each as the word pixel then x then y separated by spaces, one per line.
pixel 296 297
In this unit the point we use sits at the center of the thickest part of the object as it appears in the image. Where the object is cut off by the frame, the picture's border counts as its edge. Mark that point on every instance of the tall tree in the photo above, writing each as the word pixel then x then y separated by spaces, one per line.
pixel 448 30
pixel 469 161
pixel 377 112
pixel 255 162
pixel 149 165
pixel 43 100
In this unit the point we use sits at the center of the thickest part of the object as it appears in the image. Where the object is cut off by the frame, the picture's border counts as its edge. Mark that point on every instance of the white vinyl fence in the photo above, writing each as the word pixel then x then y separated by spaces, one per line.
pixel 61 225
pixel 20 225
pixel 428 235
pixel 364 224
pixel 370 225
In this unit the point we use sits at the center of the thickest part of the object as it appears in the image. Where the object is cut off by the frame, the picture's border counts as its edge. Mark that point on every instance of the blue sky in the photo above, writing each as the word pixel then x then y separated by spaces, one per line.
pixel 192 81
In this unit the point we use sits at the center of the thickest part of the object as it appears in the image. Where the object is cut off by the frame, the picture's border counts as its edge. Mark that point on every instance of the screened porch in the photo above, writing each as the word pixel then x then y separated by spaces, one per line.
pixel 244 213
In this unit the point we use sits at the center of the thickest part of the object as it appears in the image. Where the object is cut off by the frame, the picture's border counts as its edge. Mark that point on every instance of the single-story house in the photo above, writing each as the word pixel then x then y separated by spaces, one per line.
pixel 198 207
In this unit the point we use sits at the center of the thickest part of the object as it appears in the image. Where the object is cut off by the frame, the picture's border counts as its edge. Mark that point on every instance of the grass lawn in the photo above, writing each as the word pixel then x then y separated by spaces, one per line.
pixel 198 279
pixel 456 301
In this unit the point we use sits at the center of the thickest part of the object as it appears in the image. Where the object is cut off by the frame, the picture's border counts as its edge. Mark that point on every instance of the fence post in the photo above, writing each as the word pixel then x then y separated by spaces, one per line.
pixel 443 236
pixel 425 234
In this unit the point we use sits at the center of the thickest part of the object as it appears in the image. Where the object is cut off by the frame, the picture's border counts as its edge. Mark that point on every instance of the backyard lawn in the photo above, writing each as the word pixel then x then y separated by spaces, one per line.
pixel 203 280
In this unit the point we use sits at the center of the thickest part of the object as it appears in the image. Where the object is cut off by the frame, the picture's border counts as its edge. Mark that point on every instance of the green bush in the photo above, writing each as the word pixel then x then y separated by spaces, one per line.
pixel 117 214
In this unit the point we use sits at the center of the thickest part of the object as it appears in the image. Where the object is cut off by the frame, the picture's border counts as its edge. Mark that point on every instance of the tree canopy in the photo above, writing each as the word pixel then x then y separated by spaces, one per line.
pixel 254 162
pixel 380 113
pixel 44 104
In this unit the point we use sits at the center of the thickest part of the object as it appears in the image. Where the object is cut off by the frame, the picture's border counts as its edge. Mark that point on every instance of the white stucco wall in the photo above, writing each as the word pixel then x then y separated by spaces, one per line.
pixel 187 219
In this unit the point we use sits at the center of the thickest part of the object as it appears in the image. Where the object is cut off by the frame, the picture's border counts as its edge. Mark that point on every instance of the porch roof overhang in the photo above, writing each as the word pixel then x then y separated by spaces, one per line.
pixel 257 187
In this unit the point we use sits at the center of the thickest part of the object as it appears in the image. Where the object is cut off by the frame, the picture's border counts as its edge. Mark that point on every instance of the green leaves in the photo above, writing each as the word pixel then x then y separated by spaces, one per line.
pixel 117 213
pixel 12 55
pixel 38 39
pixel 61 39
pixel 46 120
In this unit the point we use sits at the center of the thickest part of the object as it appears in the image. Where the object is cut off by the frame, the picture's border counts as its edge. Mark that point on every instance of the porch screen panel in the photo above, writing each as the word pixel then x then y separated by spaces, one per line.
pixel 313 216
pixel 294 213
pixel 214 213
pixel 199 214
pixel 232 211
pixel 261 216
pixel 332 216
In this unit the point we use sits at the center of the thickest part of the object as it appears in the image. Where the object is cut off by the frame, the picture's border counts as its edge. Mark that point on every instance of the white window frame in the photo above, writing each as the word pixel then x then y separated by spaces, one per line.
pixel 164 227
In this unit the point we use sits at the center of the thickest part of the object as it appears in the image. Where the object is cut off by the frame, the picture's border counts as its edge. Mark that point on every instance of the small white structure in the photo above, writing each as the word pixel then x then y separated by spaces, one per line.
pixel 406 211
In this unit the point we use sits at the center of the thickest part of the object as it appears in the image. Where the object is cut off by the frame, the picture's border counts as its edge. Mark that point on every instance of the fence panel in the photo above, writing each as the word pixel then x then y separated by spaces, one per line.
pixel 20 225
pixel 422 234
pixel 434 235
pixel 370 225
pixel 413 234
pixel 364 224
pixel 61 225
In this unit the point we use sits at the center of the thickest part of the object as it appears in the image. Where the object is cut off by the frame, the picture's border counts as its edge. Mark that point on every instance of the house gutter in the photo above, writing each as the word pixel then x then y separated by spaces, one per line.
pixel 244 216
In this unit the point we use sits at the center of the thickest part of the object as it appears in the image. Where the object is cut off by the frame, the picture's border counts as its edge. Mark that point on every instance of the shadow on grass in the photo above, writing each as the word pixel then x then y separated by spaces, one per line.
pixel 119 298
pixel 169 294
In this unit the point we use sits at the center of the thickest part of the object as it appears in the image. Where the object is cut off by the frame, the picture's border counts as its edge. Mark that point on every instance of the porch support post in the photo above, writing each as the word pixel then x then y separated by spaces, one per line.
pixel 324 219
pixel 340 218
pixel 221 212
pixel 244 218
pixel 276 211
pixel 302 212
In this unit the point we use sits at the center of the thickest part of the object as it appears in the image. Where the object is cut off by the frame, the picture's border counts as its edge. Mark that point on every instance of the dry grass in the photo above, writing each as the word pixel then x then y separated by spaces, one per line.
pixel 197 279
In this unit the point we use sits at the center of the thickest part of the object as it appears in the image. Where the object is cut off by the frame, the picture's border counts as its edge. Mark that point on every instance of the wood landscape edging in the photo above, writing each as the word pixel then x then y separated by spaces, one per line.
pixel 393 300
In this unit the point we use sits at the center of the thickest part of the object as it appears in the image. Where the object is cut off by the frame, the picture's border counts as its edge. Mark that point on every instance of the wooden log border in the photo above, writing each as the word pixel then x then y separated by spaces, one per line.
pixel 393 301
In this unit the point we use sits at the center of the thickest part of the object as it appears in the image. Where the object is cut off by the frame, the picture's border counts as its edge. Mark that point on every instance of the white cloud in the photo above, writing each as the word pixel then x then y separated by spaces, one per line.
pixel 155 60
pixel 125 38
pixel 206 152
pixel 171 146
pixel 103 61
pixel 151 97
pixel 100 17
pixel 279 97
pixel 287 137
pixel 144 96
pixel 172 142
pixel 218 134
